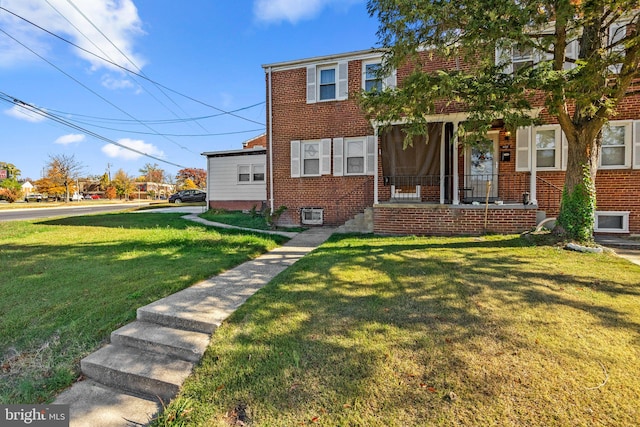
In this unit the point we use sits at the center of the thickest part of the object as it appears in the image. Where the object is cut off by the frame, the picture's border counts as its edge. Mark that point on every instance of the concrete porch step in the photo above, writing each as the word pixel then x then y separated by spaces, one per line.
pixel 185 345
pixel 134 370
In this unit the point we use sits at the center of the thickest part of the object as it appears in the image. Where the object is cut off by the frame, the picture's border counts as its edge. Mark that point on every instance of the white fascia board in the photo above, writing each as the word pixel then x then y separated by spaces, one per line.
pixel 349 56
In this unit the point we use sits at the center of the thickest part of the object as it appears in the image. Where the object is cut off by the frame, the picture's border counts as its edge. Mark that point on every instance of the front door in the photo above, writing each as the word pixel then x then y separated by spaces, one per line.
pixel 481 178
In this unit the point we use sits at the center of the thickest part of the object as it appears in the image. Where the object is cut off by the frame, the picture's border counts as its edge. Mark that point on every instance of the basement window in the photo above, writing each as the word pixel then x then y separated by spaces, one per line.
pixel 312 216
pixel 612 222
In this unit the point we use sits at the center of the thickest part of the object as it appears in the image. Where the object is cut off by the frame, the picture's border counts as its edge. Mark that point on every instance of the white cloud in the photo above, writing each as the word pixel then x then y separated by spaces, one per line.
pixel 113 83
pixel 93 26
pixel 274 11
pixel 116 151
pixel 70 139
pixel 22 113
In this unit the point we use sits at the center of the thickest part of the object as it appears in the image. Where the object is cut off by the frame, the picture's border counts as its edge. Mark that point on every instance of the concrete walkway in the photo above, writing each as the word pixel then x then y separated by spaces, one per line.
pixel 148 360
pixel 624 248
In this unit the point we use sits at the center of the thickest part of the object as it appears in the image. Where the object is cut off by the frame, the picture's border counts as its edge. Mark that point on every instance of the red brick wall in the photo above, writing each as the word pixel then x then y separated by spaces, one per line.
pixel 444 220
pixel 236 205
pixel 341 197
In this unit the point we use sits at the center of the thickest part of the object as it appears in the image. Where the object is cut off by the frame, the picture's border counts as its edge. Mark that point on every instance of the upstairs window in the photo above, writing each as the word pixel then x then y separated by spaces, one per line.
pixel 327 84
pixel 371 79
pixel 521 57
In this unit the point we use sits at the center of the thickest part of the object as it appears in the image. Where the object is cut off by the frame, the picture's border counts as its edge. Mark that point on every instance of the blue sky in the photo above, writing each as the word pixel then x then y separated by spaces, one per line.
pixel 200 58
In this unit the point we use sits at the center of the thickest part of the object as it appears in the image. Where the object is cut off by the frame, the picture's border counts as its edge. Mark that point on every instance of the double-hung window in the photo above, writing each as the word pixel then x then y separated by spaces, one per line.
pixel 548 147
pixel 371 78
pixel 355 156
pixel 327 78
pixel 521 57
pixel 327 82
pixel 310 158
pixel 251 173
pixel 616 146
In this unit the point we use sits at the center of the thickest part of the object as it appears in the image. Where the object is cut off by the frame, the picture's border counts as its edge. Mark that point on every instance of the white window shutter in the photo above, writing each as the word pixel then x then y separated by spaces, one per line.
pixel 370 154
pixel 338 156
pixel 391 81
pixel 343 81
pixel 636 144
pixel 523 147
pixel 617 31
pixel 503 56
pixel 295 159
pixel 311 84
pixel 565 150
pixel 325 157
pixel 571 51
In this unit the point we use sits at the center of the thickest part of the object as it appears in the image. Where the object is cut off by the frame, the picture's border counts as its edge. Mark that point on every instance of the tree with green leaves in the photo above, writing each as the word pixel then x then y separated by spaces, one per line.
pixel 12 170
pixel 586 54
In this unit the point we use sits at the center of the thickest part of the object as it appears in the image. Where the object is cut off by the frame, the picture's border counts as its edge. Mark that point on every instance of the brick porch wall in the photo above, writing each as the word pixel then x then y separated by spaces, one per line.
pixel 449 220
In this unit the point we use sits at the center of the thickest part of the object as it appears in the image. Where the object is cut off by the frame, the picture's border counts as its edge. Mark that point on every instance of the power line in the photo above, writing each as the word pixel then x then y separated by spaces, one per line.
pixel 130 71
pixel 91 90
pixel 35 110
pixel 126 57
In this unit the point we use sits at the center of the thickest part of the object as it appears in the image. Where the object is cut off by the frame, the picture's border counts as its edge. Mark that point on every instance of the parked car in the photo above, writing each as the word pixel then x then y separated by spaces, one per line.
pixel 35 197
pixel 188 196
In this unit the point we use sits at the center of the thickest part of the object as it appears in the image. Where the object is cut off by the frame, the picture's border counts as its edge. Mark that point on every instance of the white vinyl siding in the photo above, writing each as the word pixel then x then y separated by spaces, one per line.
pixel 327 82
pixel 616 145
pixel 223 178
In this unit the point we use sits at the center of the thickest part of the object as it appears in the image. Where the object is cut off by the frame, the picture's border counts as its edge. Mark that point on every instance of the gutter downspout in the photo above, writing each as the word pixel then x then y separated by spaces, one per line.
pixel 375 175
pixel 270 139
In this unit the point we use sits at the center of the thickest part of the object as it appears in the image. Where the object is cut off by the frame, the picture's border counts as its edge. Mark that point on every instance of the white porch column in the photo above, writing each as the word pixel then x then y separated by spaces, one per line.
pixel 533 199
pixel 456 180
pixel 375 174
pixel 443 157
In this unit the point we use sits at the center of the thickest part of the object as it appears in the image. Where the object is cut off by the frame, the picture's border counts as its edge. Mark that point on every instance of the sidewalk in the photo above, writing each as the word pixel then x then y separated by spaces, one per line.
pixel 148 359
pixel 625 248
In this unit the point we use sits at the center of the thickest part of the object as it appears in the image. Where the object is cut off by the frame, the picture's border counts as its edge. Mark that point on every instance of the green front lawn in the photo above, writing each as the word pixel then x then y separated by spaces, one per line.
pixel 65 284
pixel 373 331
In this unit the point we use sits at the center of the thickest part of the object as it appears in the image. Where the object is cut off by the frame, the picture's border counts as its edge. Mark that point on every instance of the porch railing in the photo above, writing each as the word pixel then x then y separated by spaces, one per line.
pixel 508 188
pixel 549 196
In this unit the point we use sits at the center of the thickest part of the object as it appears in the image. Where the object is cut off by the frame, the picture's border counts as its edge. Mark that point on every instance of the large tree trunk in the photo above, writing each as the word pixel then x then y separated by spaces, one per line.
pixel 577 209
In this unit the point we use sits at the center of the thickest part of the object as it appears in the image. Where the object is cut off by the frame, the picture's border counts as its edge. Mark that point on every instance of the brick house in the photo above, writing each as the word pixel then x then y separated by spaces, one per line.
pixel 327 163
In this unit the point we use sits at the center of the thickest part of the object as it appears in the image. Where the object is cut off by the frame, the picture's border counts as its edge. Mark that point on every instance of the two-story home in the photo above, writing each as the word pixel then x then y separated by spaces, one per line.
pixel 327 163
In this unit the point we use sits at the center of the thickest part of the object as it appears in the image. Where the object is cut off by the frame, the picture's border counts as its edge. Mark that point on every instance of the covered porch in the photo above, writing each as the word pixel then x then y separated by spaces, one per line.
pixel 438 187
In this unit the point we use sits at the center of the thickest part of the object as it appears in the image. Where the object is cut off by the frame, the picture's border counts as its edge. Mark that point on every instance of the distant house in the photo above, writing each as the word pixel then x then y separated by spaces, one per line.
pixel 236 179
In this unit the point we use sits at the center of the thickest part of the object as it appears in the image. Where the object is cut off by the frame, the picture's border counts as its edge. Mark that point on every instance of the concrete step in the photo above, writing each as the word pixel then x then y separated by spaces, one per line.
pixel 142 372
pixel 185 345
pixel 96 405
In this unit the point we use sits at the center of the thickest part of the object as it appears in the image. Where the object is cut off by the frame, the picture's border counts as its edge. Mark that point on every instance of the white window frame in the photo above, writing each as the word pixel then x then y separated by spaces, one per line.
pixel 617 31
pixel 389 81
pixel 557 148
pixel 248 172
pixel 340 151
pixel 625 221
pixel 298 157
pixel 363 141
pixel 319 70
pixel 314 212
pixel 341 81
pixel 252 170
pixel 628 126
pixel 303 150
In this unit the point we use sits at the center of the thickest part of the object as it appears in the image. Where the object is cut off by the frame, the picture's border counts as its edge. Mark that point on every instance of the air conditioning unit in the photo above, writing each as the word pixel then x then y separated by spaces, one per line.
pixel 312 216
